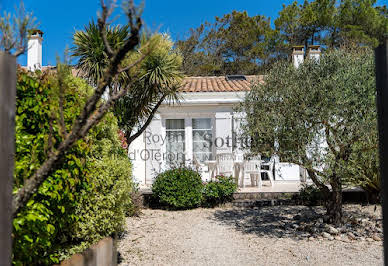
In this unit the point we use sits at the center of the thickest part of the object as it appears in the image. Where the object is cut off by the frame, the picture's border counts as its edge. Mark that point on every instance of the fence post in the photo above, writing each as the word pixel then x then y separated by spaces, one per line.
pixel 7 150
pixel 381 59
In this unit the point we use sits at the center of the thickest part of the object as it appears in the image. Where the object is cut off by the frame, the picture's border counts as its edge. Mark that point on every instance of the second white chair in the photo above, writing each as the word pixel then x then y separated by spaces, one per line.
pixel 224 164
pixel 252 166
pixel 269 171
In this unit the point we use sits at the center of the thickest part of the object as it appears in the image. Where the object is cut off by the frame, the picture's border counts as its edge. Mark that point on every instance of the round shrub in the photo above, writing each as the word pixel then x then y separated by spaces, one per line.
pixel 219 191
pixel 179 188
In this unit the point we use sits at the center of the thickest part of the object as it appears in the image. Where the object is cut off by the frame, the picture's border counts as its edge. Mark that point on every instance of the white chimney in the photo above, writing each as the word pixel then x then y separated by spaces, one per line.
pixel 297 55
pixel 314 52
pixel 34 54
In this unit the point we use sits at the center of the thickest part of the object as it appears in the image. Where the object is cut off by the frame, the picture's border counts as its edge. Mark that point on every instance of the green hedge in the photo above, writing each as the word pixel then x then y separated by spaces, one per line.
pixel 86 198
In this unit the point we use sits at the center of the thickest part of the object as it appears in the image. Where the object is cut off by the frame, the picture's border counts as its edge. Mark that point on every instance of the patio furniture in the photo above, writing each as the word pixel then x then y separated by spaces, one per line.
pixel 225 164
pixel 238 166
pixel 252 166
pixel 212 168
pixel 270 165
pixel 198 166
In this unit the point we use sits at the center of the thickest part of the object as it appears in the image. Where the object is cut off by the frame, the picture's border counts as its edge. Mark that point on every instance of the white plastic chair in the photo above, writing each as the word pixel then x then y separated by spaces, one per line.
pixel 252 166
pixel 224 164
pixel 197 165
pixel 238 164
pixel 269 171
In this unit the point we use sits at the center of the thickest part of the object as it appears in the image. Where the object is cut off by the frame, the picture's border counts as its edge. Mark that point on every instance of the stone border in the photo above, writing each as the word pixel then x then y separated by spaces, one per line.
pixel 103 253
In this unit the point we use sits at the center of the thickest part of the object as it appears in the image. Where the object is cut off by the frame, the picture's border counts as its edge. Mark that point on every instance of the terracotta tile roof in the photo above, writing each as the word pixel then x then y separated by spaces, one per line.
pixel 217 84
pixel 199 84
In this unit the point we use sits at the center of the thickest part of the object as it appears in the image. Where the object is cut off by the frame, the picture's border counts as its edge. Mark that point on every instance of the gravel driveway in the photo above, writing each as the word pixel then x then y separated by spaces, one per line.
pixel 234 236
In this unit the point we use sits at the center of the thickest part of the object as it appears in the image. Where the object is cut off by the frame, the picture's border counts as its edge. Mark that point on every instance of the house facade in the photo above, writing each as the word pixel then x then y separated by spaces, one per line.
pixel 192 132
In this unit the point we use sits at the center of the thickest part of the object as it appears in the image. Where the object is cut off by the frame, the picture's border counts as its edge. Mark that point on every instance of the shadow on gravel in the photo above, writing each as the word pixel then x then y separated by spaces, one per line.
pixel 278 221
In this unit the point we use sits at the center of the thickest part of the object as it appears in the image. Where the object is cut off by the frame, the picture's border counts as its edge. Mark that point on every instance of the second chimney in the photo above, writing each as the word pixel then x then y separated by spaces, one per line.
pixel 34 54
pixel 314 52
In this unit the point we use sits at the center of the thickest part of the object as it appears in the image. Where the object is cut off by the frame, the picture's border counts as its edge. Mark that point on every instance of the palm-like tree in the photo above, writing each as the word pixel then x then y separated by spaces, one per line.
pixel 90 51
pixel 157 77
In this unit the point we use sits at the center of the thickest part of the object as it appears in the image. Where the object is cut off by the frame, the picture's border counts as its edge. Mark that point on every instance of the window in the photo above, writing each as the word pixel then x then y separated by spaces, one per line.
pixel 175 135
pixel 202 139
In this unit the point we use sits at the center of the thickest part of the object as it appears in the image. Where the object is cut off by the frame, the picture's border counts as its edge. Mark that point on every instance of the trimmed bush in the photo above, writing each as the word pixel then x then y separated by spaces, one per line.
pixel 219 191
pixel 179 188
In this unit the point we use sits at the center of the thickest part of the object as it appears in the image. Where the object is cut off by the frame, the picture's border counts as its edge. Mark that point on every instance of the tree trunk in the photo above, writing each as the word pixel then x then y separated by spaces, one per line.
pixel 334 201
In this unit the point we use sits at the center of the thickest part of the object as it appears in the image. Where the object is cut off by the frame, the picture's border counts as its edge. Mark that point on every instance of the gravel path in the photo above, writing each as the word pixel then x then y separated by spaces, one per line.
pixel 233 236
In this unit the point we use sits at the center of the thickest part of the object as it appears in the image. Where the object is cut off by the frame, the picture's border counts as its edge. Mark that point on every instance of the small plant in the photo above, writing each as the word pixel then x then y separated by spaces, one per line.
pixel 219 191
pixel 310 195
pixel 179 188
pixel 136 202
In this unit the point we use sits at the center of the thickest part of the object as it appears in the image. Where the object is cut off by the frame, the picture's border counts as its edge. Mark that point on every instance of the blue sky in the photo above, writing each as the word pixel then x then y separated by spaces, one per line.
pixel 60 19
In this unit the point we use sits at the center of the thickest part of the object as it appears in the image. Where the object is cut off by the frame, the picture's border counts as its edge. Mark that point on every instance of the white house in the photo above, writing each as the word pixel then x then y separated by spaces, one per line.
pixel 205 123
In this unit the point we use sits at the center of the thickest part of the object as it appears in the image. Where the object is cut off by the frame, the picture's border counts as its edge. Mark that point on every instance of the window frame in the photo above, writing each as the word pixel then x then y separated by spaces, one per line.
pixel 188 118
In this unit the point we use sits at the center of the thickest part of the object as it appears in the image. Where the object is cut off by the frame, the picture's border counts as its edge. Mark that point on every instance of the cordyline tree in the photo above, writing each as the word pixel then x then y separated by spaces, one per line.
pixel 95 107
pixel 320 115
pixel 158 75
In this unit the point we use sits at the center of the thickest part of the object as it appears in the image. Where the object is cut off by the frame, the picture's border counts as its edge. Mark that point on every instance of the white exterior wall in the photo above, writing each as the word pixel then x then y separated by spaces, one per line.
pixel 223 140
pixel 148 152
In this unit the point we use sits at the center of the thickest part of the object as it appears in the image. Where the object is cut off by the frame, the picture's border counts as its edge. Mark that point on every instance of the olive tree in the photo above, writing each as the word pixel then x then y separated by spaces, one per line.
pixel 316 116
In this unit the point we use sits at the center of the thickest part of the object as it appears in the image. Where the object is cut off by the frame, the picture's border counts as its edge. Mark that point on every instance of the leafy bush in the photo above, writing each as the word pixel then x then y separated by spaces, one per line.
pixel 86 198
pixel 44 224
pixel 219 191
pixel 310 195
pixel 179 188
pixel 103 206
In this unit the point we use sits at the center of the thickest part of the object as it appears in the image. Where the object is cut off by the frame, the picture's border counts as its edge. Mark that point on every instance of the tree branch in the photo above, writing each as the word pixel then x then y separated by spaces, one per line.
pixel 89 117
pixel 106 12
pixel 316 181
pixel 61 102
pixel 146 124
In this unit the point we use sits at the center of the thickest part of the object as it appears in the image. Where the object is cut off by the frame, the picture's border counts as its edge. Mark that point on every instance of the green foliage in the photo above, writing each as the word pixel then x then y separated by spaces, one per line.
pixel 320 114
pixel 39 228
pixel 363 165
pixel 240 44
pixel 159 78
pixel 233 44
pixel 90 50
pixel 179 188
pixel 102 208
pixel 219 191
pixel 361 21
pixel 156 78
pixel 310 195
pixel 95 173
